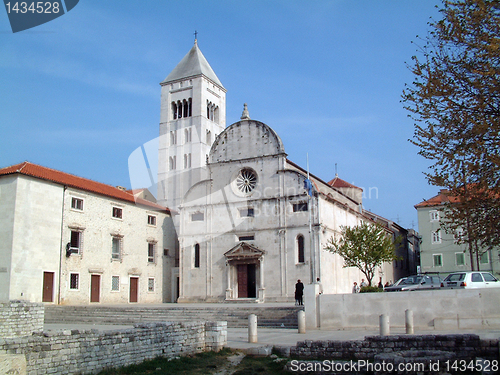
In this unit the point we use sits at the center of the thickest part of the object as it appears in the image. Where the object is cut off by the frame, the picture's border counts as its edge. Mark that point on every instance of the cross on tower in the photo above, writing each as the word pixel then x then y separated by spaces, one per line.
pixel 195 35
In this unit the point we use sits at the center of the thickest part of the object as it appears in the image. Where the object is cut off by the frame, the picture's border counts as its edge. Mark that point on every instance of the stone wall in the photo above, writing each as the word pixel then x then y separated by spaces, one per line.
pixel 89 351
pixel 460 346
pixel 19 318
pixel 377 355
pixel 439 309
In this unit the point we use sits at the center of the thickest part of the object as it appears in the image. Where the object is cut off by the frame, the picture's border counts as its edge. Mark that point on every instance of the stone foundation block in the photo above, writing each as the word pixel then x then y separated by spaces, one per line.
pixel 12 364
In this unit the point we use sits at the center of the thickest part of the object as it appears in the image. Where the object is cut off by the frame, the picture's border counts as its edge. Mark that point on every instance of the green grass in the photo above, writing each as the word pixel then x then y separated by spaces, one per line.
pixel 260 366
pixel 202 363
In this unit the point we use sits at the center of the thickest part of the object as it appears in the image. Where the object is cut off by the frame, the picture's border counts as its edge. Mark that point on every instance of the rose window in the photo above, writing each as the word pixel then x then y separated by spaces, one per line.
pixel 246 180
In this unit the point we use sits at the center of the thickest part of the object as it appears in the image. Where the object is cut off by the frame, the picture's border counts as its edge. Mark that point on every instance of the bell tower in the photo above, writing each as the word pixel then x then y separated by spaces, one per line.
pixel 193 113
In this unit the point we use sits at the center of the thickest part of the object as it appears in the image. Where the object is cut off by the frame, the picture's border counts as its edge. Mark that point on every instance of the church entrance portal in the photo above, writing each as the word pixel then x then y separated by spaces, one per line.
pixel 246 281
pixel 245 273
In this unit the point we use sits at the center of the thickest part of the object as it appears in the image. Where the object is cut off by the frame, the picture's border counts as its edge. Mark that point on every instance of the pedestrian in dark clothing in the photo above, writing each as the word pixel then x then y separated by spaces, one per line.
pixel 299 293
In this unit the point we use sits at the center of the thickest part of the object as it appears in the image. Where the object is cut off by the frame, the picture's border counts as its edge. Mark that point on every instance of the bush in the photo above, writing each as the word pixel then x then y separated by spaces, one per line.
pixel 370 289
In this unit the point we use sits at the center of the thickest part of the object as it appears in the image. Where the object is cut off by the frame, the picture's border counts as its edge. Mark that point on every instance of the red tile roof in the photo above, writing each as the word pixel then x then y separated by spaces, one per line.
pixel 339 183
pixel 62 178
pixel 442 198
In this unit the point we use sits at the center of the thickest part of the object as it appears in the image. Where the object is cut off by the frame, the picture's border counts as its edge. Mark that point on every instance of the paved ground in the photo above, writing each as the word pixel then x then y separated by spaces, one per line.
pixel 238 337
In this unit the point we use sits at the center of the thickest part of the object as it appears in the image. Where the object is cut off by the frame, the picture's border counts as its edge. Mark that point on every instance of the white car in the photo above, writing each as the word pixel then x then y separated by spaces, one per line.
pixel 470 280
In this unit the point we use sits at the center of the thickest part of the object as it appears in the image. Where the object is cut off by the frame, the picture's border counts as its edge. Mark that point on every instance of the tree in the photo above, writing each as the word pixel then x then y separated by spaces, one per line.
pixel 365 247
pixel 455 103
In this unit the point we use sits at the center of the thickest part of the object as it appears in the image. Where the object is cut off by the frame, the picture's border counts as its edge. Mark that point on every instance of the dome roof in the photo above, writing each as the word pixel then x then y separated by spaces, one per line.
pixel 246 139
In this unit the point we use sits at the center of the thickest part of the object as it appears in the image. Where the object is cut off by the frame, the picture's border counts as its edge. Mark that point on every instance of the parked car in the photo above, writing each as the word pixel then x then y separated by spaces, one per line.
pixel 416 282
pixel 470 280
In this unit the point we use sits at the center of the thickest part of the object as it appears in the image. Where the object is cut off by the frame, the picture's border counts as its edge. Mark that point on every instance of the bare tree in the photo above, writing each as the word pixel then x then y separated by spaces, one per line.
pixel 455 102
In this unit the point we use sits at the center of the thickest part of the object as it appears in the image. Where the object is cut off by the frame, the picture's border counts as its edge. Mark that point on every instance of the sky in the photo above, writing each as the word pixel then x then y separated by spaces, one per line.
pixel 80 93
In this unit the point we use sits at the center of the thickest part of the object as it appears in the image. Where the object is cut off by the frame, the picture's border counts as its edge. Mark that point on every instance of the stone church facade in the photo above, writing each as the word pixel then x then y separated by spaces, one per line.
pixel 249 224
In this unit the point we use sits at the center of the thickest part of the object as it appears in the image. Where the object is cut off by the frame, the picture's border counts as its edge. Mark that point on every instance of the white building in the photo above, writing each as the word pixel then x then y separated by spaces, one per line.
pixel 247 227
pixel 68 240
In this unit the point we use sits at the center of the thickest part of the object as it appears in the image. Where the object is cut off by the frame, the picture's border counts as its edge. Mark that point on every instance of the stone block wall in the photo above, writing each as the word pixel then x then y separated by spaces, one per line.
pixel 459 346
pixel 89 351
pixel 215 335
pixel 20 318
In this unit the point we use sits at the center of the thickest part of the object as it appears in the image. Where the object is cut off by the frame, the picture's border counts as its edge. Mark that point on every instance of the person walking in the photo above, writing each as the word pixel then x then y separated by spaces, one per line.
pixel 380 284
pixel 320 286
pixel 299 293
pixel 355 287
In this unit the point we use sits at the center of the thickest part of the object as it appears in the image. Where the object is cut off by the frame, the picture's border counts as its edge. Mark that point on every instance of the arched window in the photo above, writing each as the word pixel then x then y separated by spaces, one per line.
pixel 182 108
pixel 212 111
pixel 209 137
pixel 187 160
pixel 179 109
pixel 174 110
pixel 185 108
pixel 197 256
pixel 172 162
pixel 216 115
pixel 300 249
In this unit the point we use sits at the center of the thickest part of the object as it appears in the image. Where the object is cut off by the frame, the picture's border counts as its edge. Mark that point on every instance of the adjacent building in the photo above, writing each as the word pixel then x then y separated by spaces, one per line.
pixel 407 243
pixel 70 240
pixel 440 251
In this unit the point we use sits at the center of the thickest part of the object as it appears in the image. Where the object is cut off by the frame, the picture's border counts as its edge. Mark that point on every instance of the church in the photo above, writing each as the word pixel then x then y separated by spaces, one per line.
pixel 233 220
pixel 250 222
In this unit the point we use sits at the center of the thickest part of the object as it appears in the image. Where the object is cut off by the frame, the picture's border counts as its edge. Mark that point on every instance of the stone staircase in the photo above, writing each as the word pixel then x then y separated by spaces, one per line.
pixel 236 315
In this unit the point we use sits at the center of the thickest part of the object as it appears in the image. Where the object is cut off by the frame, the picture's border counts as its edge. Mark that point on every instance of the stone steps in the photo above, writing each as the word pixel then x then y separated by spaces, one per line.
pixel 236 316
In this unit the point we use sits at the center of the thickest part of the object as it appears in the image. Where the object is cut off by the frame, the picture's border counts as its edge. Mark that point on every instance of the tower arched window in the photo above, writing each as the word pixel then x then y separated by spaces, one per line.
pixel 212 111
pixel 172 162
pixel 182 108
pixel 209 137
pixel 300 249
pixel 216 114
pixel 187 160
pixel 197 255
pixel 185 108
pixel 174 110
pixel 179 109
